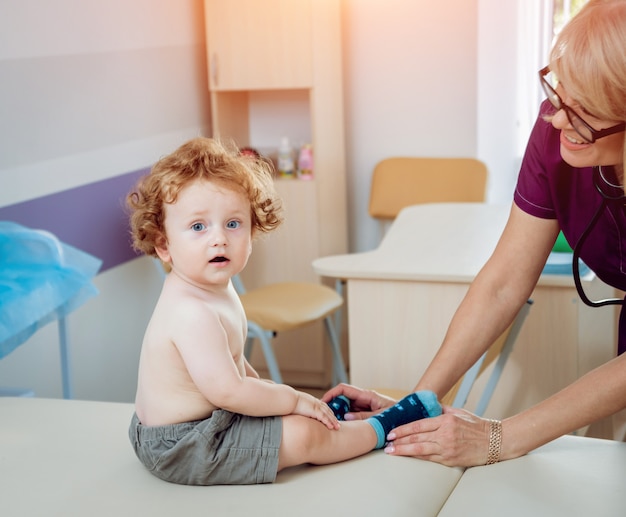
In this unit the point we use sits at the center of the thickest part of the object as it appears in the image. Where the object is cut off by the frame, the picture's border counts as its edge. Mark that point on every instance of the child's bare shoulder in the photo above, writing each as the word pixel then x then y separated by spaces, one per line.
pixel 186 308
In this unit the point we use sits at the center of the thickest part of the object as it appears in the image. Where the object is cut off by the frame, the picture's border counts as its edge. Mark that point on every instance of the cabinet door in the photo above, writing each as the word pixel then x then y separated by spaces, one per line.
pixel 259 44
pixel 286 254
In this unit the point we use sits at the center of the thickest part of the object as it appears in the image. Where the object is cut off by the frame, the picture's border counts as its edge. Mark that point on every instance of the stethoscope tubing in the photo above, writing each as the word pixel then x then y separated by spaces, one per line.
pixel 597 178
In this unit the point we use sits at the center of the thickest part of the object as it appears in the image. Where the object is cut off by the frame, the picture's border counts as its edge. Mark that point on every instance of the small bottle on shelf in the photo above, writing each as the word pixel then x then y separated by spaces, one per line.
pixel 305 162
pixel 286 165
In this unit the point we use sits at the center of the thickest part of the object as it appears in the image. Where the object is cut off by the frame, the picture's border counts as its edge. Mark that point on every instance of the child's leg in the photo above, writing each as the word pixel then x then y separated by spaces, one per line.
pixel 306 440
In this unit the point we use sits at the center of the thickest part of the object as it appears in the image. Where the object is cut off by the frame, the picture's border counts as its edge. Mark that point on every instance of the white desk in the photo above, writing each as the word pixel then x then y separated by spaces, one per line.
pixel 402 296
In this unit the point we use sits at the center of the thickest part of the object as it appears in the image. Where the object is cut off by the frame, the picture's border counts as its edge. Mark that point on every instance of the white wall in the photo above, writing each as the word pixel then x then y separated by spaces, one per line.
pixel 428 78
pixel 91 90
pixel 497 68
pixel 88 91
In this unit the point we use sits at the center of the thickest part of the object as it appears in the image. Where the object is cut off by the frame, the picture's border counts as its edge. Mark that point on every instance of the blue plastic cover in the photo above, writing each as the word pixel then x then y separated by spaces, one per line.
pixel 560 263
pixel 41 279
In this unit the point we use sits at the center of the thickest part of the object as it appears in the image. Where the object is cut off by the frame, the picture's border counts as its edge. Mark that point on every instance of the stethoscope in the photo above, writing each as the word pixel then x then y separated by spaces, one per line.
pixel 598 181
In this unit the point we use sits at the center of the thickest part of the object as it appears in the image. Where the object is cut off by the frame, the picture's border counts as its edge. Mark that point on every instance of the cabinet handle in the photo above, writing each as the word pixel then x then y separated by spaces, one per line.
pixel 214 69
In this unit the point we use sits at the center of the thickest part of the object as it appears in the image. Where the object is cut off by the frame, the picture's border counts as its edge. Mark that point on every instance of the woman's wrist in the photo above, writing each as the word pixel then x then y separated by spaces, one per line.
pixel 518 438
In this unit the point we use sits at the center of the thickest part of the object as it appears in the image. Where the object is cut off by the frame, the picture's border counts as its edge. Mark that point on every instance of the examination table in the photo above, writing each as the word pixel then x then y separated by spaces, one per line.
pixel 73 458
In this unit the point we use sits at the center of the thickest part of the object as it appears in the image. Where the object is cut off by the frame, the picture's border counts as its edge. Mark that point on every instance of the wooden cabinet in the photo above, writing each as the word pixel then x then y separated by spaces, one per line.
pixel 256 44
pixel 275 71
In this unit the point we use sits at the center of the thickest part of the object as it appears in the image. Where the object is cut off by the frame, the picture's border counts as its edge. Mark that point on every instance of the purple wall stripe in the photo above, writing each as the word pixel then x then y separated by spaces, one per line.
pixel 91 217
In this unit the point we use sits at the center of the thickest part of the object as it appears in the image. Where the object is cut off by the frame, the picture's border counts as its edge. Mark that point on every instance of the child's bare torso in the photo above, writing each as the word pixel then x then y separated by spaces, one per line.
pixel 166 392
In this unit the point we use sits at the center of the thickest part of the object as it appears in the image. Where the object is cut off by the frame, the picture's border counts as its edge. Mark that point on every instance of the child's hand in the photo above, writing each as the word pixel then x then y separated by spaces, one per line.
pixel 308 405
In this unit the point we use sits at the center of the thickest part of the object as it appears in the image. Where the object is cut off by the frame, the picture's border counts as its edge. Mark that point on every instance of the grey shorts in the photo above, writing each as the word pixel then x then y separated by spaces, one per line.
pixel 225 449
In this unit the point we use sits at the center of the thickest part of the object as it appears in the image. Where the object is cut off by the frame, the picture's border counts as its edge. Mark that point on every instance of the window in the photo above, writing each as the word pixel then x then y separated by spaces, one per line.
pixel 563 12
pixel 540 22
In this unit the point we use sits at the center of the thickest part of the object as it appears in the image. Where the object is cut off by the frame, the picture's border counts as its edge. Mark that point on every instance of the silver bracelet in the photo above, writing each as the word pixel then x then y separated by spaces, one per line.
pixel 495 442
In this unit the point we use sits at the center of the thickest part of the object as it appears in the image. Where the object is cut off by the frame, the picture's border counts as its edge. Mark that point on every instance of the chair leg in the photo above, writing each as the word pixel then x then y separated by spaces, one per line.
pixel 468 381
pixel 68 390
pixel 339 369
pixel 264 337
pixel 340 288
pixel 247 348
pixel 502 358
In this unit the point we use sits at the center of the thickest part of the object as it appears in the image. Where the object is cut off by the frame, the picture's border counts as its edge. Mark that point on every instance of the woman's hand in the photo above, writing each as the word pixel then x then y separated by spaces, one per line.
pixel 363 403
pixel 457 438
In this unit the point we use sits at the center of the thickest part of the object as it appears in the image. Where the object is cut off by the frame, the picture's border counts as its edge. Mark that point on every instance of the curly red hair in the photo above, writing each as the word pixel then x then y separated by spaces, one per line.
pixel 200 159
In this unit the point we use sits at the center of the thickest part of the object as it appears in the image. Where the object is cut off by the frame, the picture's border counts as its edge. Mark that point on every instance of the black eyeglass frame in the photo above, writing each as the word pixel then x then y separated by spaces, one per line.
pixel 572 116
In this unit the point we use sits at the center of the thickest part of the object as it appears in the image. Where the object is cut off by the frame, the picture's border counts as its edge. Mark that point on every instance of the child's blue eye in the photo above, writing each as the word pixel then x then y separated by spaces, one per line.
pixel 233 224
pixel 197 227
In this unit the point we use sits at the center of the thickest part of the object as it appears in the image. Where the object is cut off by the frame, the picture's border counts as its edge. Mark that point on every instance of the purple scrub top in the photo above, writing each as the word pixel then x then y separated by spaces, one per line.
pixel 549 188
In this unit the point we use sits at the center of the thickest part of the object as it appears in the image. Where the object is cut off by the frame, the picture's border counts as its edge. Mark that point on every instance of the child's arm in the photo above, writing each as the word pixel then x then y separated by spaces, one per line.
pixel 203 344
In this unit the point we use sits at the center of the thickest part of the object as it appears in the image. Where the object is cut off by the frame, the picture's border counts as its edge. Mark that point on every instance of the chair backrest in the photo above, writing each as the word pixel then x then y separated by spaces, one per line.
pixel 399 182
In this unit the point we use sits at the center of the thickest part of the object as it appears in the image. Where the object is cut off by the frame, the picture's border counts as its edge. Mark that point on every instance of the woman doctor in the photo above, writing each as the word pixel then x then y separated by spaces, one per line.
pixel 572 179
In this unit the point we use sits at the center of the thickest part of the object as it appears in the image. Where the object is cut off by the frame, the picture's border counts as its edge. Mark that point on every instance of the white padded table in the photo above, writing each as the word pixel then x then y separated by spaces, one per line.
pixel 569 477
pixel 73 458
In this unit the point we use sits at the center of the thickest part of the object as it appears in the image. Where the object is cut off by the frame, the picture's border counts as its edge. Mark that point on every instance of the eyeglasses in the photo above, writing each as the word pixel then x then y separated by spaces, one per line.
pixel 587 133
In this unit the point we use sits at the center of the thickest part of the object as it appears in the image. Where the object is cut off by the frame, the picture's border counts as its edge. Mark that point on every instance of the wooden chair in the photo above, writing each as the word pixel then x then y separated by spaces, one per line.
pixel 399 182
pixel 285 306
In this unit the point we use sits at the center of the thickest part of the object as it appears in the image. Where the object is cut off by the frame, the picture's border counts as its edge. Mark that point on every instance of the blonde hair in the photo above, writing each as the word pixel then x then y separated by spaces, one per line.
pixel 200 159
pixel 589 58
